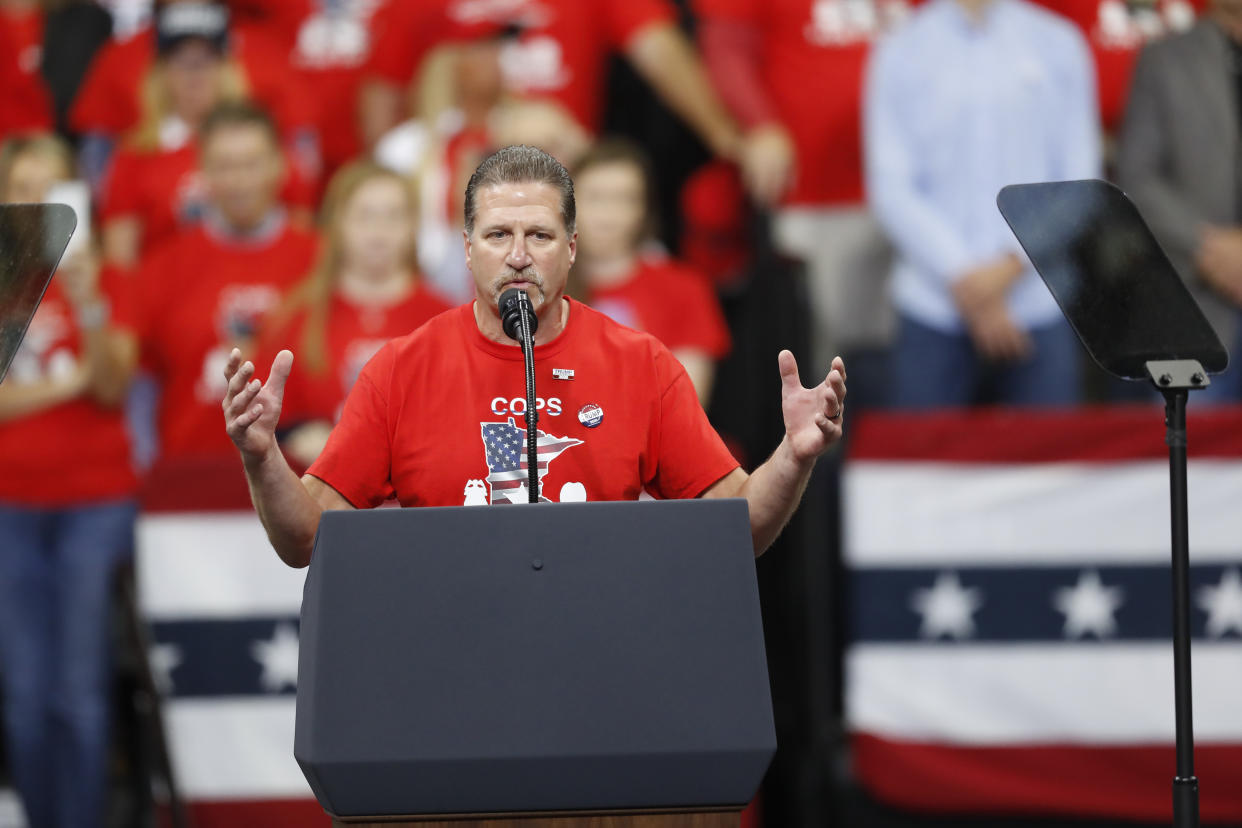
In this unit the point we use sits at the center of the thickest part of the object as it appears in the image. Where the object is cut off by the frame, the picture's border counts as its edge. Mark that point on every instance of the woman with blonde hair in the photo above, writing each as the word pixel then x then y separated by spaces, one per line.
pixel 364 289
pixel 154 187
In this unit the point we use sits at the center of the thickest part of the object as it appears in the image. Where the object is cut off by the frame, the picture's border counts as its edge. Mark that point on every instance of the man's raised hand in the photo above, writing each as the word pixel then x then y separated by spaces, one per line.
pixel 251 408
pixel 812 415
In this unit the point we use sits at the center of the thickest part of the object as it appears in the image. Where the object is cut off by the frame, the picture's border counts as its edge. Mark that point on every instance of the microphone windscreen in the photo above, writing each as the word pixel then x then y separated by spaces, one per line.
pixel 510 305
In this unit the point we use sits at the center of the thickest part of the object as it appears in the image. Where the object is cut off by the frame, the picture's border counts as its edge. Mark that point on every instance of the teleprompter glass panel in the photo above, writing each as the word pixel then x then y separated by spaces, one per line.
pixel 32 240
pixel 1112 280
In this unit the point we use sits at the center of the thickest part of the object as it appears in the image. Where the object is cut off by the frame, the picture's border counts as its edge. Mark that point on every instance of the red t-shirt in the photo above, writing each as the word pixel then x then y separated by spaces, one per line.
pixel 77 451
pixel 436 419
pixel 405 31
pixel 25 103
pixel 328 46
pixel 164 189
pixel 195 299
pixel 812 64
pixel 1117 31
pixel 671 302
pixel 354 334
pixel 561 54
pixel 109 100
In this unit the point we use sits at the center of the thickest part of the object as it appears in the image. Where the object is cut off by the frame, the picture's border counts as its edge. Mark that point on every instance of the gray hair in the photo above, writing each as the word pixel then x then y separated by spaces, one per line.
pixel 521 165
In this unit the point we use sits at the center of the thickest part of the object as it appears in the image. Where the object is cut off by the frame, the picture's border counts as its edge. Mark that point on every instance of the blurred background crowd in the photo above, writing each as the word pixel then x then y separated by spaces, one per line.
pixel 750 175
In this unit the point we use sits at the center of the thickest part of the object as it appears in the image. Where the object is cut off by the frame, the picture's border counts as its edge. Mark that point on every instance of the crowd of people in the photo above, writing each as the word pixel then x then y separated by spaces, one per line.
pixel 271 174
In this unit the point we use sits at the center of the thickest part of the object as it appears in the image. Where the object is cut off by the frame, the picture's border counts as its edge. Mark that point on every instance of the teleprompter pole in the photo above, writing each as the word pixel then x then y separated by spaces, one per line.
pixel 1185 785
pixel 1175 379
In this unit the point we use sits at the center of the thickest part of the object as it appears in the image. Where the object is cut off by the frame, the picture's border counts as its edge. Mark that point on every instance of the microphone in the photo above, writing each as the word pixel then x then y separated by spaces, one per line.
pixel 510 305
pixel 517 317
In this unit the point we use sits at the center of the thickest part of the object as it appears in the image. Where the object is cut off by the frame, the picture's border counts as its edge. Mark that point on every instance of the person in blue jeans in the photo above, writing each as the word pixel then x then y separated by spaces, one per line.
pixel 966 97
pixel 67 514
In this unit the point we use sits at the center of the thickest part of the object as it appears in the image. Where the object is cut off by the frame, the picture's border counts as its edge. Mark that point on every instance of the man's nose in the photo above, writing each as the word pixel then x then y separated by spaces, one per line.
pixel 518 257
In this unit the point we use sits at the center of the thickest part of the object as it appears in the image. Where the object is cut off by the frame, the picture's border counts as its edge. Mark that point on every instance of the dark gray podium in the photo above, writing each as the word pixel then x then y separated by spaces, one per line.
pixel 579 664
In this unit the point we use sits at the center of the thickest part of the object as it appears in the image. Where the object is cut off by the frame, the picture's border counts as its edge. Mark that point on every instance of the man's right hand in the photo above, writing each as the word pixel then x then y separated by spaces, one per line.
pixel 1219 259
pixel 251 408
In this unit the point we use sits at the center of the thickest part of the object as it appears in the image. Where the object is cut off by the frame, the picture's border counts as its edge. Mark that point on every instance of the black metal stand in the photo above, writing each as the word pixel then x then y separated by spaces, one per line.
pixel 517 317
pixel 532 414
pixel 1175 379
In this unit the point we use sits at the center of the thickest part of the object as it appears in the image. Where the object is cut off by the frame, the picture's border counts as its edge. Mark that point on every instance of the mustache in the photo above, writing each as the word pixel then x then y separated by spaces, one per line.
pixel 526 274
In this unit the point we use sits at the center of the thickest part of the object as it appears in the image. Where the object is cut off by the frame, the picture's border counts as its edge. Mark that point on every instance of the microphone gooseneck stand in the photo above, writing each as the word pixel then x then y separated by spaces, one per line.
pixel 517 316
pixel 1175 379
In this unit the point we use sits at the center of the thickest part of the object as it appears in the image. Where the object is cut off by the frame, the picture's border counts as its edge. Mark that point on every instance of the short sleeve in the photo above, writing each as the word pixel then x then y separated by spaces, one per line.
pixel 357 461
pixel 391 57
pixel 625 18
pixel 99 105
pixel 690 456
pixel 121 193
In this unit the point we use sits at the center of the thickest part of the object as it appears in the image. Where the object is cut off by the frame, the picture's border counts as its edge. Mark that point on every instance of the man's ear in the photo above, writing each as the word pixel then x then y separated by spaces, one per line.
pixel 573 247
pixel 465 240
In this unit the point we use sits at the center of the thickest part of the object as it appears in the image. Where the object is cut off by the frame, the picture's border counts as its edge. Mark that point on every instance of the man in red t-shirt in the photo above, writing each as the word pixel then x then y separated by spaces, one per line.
pixel 769 59
pixel 204 291
pixel 434 419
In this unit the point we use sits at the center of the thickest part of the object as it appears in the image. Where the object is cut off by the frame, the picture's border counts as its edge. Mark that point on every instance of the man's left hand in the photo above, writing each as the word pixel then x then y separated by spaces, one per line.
pixel 812 415
pixel 767 160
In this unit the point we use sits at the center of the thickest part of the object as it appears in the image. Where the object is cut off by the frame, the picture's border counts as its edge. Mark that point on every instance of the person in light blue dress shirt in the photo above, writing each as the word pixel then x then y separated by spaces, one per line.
pixel 967 97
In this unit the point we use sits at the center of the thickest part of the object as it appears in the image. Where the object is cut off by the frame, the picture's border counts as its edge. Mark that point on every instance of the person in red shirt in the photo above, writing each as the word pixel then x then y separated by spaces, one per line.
pixel 364 290
pixel 204 291
pixel 67 514
pixel 433 419
pixel 25 104
pixel 561 53
pixel 120 89
pixel 155 187
pixel 619 274
pixel 327 44
pixel 768 59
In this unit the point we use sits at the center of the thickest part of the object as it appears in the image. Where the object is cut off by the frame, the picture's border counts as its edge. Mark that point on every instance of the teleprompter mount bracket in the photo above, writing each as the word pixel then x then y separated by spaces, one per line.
pixel 1172 374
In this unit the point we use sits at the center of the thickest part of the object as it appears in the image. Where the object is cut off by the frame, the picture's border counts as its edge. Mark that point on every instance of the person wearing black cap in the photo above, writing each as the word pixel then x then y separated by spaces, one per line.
pixel 128 88
pixel 155 187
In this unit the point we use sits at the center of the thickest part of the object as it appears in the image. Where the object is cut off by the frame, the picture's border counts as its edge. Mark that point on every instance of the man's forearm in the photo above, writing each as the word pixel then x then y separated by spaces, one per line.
pixel 773 491
pixel 667 60
pixel 288 512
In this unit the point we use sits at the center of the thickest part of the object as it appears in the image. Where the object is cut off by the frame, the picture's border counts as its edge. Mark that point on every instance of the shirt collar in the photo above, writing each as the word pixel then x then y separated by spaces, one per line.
pixel 984 21
pixel 266 231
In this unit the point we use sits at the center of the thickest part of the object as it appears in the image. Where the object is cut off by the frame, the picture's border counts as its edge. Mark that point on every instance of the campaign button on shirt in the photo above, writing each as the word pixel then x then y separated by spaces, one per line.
pixel 590 415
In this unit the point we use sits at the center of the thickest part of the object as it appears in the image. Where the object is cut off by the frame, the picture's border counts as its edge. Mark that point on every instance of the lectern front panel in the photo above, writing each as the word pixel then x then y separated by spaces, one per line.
pixel 558 657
